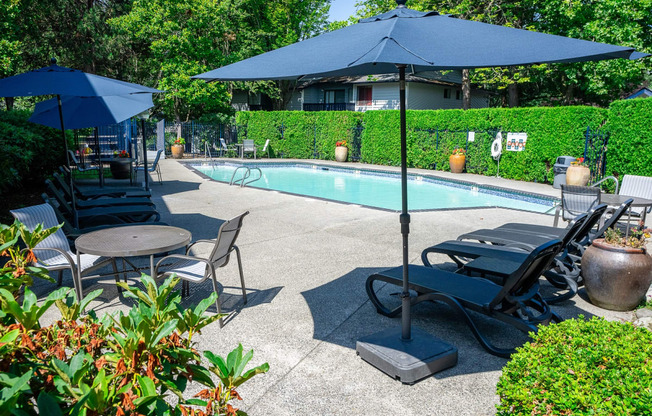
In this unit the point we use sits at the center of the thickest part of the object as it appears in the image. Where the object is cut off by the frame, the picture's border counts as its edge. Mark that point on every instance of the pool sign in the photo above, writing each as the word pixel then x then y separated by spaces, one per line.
pixel 516 142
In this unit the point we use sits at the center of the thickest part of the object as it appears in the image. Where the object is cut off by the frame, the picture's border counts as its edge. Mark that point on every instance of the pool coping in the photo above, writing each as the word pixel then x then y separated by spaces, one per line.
pixel 379 170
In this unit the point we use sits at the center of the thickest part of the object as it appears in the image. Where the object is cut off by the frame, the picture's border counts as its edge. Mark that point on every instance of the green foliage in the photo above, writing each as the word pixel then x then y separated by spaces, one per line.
pixel 630 128
pixel 138 362
pixel 30 151
pixel 579 367
pixel 302 132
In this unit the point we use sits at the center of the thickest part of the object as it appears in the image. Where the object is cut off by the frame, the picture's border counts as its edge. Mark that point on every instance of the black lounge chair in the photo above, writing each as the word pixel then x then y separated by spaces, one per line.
pixel 516 302
pixel 91 192
pixel 58 185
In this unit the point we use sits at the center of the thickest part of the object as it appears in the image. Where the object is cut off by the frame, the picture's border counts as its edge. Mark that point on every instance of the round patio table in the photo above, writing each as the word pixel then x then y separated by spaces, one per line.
pixel 132 241
pixel 614 200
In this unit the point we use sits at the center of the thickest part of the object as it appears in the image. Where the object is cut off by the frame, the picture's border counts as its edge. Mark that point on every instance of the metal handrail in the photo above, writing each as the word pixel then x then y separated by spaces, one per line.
pixel 208 155
pixel 247 174
pixel 260 175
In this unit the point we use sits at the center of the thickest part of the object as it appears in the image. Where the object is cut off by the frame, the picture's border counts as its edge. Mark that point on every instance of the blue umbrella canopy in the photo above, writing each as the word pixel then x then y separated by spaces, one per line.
pixel 424 41
pixel 59 80
pixel 83 112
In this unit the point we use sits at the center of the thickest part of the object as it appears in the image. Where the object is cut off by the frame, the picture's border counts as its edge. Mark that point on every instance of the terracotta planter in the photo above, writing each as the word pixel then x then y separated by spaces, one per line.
pixel 177 151
pixel 616 278
pixel 341 153
pixel 457 163
pixel 577 175
pixel 121 168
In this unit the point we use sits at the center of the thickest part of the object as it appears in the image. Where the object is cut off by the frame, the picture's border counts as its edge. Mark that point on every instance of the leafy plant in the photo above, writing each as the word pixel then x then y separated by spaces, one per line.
pixel 580 367
pixel 636 237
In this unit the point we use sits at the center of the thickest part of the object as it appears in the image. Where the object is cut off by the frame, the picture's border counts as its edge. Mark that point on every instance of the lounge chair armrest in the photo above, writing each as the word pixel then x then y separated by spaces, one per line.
pixel 184 257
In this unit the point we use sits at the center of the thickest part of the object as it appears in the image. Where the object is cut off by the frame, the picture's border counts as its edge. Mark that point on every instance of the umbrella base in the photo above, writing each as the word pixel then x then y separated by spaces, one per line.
pixel 406 361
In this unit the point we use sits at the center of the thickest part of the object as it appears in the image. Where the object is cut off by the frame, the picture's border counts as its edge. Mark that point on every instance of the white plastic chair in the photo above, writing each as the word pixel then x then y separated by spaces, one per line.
pixel 54 253
pixel 266 148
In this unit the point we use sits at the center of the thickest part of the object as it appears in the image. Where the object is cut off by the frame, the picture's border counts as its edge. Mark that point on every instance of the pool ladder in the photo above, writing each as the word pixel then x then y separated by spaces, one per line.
pixel 209 155
pixel 243 180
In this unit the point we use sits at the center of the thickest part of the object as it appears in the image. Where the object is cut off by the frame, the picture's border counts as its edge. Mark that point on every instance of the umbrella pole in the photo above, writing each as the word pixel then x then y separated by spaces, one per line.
pixel 65 143
pixel 406 354
pixel 406 324
pixel 99 156
pixel 142 124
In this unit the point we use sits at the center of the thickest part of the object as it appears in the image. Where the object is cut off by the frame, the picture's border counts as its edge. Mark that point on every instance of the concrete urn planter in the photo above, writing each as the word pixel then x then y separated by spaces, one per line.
pixel 577 175
pixel 177 151
pixel 616 278
pixel 457 163
pixel 341 153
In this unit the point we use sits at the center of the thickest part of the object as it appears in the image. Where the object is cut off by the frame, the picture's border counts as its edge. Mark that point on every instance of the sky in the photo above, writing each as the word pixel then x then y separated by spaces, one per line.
pixel 341 9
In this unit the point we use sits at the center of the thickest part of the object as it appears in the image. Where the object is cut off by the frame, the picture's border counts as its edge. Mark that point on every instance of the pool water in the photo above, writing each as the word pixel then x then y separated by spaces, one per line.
pixel 379 190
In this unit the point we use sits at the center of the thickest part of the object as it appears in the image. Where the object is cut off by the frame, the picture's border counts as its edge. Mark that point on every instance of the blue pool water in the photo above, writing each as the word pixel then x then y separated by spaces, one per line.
pixel 380 190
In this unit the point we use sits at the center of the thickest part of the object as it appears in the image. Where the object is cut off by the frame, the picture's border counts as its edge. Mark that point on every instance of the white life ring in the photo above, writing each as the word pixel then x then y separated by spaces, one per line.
pixel 497 147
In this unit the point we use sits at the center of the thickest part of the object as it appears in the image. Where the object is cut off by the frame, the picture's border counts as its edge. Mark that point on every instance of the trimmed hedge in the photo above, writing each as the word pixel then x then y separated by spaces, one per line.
pixel 30 152
pixel 580 367
pixel 295 134
pixel 630 141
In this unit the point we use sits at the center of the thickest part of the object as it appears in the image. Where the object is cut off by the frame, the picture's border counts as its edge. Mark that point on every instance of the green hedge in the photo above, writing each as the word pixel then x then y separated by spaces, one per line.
pixel 301 131
pixel 30 152
pixel 630 141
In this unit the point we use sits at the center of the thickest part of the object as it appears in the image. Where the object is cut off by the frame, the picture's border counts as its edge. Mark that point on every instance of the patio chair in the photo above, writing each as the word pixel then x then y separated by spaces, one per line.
pixel 224 148
pixel 80 166
pixel 58 185
pixel 516 302
pixel 266 149
pixel 154 167
pixel 576 200
pixel 95 192
pixel 54 253
pixel 197 269
pixel 637 186
pixel 248 146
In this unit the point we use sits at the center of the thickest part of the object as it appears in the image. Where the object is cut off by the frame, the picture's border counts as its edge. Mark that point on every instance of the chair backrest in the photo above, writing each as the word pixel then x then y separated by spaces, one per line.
pixel 573 228
pixel 265 145
pixel 636 186
pixel 156 159
pixel 248 145
pixel 60 198
pixel 43 214
pixel 576 200
pixel 61 184
pixel 615 217
pixel 73 157
pixel 225 240
pixel 223 145
pixel 526 278
pixel 592 219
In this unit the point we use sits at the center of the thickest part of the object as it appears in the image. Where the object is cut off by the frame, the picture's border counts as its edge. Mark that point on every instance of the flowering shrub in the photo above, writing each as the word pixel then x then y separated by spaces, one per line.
pixel 578 162
pixel 636 237
pixel 341 143
pixel 459 151
pixel 122 153
pixel 179 141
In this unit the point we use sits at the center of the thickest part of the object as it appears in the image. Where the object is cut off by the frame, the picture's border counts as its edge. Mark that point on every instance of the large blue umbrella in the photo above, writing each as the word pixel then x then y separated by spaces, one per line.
pixel 406 40
pixel 84 112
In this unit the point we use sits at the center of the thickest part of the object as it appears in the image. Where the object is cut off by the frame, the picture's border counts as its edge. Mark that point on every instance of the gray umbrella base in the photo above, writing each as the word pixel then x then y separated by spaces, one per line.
pixel 406 361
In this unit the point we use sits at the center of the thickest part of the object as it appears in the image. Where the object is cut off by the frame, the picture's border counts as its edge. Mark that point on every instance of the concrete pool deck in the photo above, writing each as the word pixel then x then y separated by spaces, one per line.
pixel 305 263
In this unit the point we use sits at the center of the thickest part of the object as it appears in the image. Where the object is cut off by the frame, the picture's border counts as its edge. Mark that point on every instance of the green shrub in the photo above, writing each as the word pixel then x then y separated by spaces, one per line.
pixel 30 151
pixel 580 367
pixel 630 128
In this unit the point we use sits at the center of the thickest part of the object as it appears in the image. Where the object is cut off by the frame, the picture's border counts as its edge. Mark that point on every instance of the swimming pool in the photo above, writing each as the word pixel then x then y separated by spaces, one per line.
pixel 379 189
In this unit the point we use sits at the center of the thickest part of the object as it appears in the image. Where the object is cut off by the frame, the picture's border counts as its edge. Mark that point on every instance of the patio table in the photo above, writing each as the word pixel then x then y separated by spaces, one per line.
pixel 131 241
pixel 615 200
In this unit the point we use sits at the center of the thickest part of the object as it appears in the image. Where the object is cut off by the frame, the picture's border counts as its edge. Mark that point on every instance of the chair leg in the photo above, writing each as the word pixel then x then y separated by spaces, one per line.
pixel 60 279
pixel 218 303
pixel 242 283
pixel 557 212
pixel 160 177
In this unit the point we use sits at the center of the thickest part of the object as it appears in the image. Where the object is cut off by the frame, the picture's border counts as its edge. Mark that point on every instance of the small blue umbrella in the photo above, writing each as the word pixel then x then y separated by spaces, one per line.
pixel 84 112
pixel 407 40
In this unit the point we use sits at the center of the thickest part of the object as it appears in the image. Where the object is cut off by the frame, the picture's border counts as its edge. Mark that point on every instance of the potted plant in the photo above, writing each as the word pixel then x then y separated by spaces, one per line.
pixel 121 165
pixel 578 173
pixel 617 270
pixel 457 160
pixel 341 151
pixel 177 148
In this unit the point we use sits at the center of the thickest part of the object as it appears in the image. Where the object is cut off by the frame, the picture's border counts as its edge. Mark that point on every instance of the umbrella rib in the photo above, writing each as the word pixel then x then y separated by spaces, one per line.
pixel 385 39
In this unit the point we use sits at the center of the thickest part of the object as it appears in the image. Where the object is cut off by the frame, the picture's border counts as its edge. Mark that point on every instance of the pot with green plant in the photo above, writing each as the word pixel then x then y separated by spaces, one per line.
pixel 578 173
pixel 341 151
pixel 617 269
pixel 177 148
pixel 457 160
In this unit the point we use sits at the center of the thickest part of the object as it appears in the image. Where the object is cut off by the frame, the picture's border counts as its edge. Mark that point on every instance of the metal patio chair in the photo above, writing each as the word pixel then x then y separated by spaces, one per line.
pixel 197 269
pixel 154 167
pixel 576 200
pixel 248 146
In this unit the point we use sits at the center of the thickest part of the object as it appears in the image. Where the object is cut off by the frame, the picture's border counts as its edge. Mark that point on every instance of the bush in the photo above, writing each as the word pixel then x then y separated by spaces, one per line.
pixel 30 151
pixel 580 367
pixel 630 128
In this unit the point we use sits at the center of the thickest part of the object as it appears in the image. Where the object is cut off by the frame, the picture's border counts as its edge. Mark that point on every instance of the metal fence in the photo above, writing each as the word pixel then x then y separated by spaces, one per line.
pixel 595 153
pixel 198 135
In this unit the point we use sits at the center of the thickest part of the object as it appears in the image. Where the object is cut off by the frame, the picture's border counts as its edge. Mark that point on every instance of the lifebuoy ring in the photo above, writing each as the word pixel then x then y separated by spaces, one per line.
pixel 497 147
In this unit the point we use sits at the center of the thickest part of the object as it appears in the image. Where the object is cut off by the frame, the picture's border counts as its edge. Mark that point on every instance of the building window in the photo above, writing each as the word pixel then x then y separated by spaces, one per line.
pixel 447 93
pixel 458 95
pixel 334 96
pixel 364 96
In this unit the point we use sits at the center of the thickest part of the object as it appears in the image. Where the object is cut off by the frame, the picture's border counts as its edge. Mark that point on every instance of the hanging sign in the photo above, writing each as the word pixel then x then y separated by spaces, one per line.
pixel 516 142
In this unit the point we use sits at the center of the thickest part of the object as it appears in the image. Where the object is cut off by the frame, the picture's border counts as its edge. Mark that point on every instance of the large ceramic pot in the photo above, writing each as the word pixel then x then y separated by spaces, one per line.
pixel 120 168
pixel 577 175
pixel 177 151
pixel 616 278
pixel 341 153
pixel 457 163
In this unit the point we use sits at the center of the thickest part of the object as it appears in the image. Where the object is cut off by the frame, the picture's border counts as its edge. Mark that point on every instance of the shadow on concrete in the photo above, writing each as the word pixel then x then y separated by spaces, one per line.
pixel 342 313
